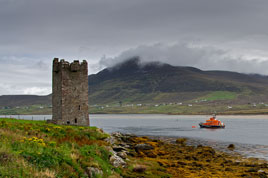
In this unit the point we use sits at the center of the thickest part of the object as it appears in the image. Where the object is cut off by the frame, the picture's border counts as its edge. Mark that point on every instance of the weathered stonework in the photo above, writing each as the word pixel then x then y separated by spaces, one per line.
pixel 70 93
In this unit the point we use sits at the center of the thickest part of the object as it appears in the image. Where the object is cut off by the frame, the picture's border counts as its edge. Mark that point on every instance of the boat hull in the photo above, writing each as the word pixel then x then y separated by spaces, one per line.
pixel 212 126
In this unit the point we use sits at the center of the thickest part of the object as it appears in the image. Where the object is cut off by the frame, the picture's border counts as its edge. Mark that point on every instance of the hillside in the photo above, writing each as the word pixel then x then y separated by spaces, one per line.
pixel 133 82
pixel 24 100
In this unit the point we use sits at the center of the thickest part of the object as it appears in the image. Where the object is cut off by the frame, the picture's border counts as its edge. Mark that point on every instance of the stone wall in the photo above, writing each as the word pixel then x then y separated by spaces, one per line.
pixel 70 93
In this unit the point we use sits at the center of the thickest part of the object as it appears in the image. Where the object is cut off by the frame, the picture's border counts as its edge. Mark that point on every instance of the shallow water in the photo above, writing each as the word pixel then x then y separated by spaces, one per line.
pixel 248 133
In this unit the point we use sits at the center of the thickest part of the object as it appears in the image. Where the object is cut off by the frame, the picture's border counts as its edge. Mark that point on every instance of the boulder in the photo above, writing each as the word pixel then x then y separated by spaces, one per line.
pixel 111 140
pixel 118 148
pixel 117 134
pixel 231 147
pixel 117 161
pixel 93 172
pixel 122 154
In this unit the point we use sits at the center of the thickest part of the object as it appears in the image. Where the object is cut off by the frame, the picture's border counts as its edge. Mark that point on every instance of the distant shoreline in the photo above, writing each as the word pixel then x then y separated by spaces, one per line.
pixel 220 114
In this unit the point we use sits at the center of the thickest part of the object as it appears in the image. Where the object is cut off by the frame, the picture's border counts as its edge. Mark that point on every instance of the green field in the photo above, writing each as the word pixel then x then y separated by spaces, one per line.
pixel 220 95
pixel 184 108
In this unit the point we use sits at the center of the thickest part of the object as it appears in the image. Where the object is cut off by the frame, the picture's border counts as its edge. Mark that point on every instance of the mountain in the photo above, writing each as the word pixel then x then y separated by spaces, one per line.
pixel 24 100
pixel 134 82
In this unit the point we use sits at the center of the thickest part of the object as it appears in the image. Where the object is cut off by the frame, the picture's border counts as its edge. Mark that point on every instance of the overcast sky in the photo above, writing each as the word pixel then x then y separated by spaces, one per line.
pixel 208 34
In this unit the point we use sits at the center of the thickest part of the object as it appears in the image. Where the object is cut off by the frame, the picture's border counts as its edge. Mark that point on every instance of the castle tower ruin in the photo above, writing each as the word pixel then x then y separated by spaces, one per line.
pixel 70 93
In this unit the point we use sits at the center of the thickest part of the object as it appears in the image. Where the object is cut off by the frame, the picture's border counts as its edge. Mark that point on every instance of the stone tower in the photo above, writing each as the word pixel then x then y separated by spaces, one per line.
pixel 70 93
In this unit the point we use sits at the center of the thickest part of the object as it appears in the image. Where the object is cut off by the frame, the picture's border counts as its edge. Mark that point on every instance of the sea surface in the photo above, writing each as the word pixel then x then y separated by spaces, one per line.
pixel 248 133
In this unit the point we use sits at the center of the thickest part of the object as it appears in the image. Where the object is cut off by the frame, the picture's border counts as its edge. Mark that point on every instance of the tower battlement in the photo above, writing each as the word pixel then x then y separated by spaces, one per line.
pixel 65 65
pixel 70 92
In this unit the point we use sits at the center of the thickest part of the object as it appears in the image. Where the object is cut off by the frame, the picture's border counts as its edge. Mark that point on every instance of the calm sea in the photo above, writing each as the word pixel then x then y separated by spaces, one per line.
pixel 248 133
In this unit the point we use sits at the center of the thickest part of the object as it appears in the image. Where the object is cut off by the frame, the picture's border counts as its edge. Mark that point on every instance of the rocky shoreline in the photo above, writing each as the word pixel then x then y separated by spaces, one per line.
pixel 244 150
pixel 155 157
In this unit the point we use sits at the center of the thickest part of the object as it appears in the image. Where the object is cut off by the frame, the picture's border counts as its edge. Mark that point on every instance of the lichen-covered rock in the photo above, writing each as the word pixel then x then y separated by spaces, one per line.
pixel 122 154
pixel 150 154
pixel 117 134
pixel 93 172
pixel 111 140
pixel 143 146
pixel 117 161
pixel 231 147
pixel 170 158
pixel 181 141
pixel 118 148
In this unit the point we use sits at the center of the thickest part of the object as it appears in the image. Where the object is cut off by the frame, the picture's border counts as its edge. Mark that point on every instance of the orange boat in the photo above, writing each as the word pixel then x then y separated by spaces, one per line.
pixel 212 123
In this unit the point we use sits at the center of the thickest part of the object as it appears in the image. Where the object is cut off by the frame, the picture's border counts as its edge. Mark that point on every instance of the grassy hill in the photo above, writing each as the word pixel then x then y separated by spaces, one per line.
pixel 37 149
pixel 133 82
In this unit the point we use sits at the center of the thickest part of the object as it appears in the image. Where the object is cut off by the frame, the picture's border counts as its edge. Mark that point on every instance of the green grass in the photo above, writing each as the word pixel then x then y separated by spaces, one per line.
pixel 38 149
pixel 33 109
pixel 220 95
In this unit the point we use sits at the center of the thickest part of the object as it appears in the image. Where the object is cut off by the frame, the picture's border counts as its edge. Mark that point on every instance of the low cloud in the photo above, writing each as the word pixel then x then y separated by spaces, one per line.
pixel 188 54
pixel 24 76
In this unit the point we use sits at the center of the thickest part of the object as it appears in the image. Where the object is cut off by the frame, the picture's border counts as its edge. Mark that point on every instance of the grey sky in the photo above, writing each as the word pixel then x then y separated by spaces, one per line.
pixel 209 34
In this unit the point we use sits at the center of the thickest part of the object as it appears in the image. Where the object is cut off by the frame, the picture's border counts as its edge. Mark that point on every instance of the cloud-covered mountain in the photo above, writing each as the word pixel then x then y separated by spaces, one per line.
pixel 136 81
